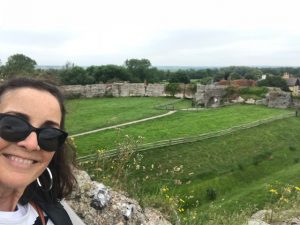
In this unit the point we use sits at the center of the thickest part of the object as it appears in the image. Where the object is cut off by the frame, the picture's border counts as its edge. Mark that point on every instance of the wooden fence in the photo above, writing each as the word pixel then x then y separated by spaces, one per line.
pixel 168 105
pixel 176 141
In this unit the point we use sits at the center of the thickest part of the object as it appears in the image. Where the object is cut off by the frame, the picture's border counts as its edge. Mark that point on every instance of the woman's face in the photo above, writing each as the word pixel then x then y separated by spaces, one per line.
pixel 22 162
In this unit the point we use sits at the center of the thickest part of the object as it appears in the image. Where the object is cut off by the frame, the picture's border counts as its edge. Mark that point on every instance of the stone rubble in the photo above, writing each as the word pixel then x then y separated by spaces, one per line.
pixel 260 217
pixel 97 204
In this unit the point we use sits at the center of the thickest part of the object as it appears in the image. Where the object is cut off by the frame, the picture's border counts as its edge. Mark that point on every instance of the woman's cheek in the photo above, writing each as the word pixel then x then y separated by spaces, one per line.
pixel 47 156
pixel 3 144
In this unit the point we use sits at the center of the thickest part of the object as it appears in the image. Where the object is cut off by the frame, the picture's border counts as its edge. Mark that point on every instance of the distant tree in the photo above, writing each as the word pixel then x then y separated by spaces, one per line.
pixel 273 81
pixel 180 77
pixel 220 75
pixel 72 75
pixel 238 72
pixel 253 74
pixel 50 75
pixel 19 64
pixel 206 80
pixel 235 76
pixel 154 75
pixel 108 73
pixel 139 68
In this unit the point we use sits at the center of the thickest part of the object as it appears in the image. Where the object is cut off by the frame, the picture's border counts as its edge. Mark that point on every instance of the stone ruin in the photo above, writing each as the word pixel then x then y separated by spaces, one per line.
pixel 209 95
pixel 206 95
pixel 122 90
pixel 215 96
pixel 97 204
pixel 114 90
pixel 282 218
pixel 279 99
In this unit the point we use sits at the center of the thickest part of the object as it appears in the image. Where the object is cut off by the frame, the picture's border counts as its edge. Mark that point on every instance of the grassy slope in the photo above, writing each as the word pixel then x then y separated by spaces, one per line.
pixel 237 167
pixel 88 114
pixel 180 124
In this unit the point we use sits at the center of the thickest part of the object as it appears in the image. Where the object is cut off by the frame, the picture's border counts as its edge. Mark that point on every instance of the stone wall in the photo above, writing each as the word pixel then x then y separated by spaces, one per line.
pixel 210 95
pixel 279 99
pixel 206 95
pixel 121 90
pixel 155 90
pixel 97 204
pixel 87 91
pixel 114 90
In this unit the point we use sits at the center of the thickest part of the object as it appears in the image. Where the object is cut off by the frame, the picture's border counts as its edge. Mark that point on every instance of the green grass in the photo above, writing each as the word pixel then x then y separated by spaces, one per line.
pixel 238 168
pixel 222 180
pixel 88 114
pixel 180 124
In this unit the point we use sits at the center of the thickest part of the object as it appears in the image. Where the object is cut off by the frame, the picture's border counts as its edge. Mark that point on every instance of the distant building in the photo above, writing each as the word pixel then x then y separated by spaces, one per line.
pixel 286 76
pixel 263 77
pixel 240 82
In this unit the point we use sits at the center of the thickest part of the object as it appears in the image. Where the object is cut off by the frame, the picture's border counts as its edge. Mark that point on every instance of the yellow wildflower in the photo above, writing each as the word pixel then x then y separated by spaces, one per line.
pixel 181 209
pixel 274 191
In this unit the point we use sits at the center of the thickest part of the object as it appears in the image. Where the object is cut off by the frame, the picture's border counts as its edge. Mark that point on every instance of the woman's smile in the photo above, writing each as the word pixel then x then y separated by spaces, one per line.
pixel 19 161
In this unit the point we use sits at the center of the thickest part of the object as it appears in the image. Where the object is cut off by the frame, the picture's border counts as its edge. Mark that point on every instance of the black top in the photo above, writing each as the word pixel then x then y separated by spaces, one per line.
pixel 53 209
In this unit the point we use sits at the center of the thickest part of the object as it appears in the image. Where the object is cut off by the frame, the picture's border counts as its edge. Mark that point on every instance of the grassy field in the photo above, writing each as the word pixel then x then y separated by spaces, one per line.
pixel 180 124
pixel 88 114
pixel 222 180
pixel 217 180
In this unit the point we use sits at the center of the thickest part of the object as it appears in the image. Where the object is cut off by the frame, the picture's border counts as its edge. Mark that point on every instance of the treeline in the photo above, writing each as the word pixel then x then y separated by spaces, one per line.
pixel 135 71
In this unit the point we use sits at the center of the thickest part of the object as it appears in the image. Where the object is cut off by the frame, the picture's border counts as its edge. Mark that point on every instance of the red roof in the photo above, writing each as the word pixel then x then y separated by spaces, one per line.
pixel 240 82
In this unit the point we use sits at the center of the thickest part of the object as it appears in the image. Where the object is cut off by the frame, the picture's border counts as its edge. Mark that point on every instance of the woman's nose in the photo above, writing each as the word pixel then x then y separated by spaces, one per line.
pixel 30 142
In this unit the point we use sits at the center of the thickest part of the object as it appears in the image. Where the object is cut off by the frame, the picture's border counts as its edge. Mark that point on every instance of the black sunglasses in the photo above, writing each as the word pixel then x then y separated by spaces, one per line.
pixel 14 129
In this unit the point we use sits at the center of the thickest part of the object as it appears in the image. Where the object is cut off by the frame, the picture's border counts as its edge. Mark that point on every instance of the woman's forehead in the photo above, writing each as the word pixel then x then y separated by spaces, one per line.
pixel 37 104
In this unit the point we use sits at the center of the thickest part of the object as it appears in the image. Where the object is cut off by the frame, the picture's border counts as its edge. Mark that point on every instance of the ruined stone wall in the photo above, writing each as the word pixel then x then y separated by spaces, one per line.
pixel 87 91
pixel 155 90
pixel 210 95
pixel 122 90
pixel 279 99
pixel 206 95
pixel 114 90
pixel 128 89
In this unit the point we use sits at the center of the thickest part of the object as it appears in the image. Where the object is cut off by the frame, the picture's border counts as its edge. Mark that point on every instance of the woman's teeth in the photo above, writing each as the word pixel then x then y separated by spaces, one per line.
pixel 20 160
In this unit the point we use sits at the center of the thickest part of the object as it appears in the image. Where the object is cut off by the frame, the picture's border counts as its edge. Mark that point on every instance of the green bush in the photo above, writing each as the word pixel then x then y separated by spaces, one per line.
pixel 192 87
pixel 232 92
pixel 173 88
pixel 258 91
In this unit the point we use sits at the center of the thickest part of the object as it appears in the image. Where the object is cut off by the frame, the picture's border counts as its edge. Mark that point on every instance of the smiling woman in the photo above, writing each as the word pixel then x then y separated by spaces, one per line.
pixel 35 164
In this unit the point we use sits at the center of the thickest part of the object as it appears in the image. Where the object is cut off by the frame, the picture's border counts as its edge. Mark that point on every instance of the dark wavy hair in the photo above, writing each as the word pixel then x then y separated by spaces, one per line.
pixel 63 159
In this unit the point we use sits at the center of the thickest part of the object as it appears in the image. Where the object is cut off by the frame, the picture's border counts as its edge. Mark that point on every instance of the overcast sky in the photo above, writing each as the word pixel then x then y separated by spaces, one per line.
pixel 167 32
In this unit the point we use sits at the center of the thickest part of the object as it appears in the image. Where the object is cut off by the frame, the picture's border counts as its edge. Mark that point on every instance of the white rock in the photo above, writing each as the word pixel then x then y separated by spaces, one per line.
pixel 250 101
pixel 257 222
